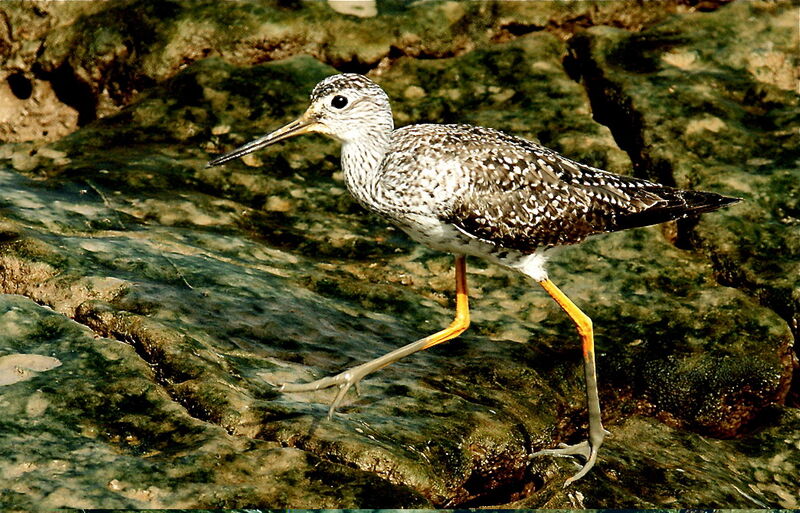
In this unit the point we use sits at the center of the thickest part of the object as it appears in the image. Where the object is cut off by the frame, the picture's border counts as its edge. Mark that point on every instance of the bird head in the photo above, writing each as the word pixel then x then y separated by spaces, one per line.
pixel 347 107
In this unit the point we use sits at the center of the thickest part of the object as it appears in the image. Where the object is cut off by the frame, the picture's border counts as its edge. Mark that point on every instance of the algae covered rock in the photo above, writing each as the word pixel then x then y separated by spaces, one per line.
pixel 75 438
pixel 709 100
pixel 65 64
pixel 175 295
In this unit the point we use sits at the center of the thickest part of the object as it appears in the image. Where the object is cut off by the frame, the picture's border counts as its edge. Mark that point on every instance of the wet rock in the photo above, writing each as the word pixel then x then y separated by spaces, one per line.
pixel 84 61
pixel 100 430
pixel 208 285
pixel 22 367
pixel 649 465
pixel 708 100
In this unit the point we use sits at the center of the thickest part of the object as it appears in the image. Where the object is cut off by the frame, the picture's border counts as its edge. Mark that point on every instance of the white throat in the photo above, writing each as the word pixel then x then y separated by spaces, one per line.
pixel 361 163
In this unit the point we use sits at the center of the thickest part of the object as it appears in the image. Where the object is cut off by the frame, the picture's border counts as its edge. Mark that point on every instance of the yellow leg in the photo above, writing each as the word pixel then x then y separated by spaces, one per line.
pixel 461 322
pixel 589 448
pixel 352 376
pixel 581 320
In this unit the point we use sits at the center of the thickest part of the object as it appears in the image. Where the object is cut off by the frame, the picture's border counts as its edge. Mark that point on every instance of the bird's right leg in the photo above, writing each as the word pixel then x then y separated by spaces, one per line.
pixel 587 449
pixel 352 376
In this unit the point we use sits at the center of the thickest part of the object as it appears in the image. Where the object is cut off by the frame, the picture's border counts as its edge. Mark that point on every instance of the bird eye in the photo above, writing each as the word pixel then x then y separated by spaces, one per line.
pixel 339 102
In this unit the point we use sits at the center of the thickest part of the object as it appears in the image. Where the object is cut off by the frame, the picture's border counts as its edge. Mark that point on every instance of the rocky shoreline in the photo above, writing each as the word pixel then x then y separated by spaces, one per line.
pixel 172 295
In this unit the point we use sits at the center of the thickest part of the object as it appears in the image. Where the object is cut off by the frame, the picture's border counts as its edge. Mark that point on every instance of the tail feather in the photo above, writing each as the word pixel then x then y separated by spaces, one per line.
pixel 674 204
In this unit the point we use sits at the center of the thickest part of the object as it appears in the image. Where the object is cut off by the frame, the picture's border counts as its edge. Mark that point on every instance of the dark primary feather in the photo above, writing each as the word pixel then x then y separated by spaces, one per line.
pixel 523 196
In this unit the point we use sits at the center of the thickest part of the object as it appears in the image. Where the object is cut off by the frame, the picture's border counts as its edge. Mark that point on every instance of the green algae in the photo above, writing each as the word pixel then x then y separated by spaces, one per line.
pixel 211 284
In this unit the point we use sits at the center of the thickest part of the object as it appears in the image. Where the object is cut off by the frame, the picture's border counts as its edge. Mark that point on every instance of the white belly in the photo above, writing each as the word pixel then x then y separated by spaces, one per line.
pixel 443 237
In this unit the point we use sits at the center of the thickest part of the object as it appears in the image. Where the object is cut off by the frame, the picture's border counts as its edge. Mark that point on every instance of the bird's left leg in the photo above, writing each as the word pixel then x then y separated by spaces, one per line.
pixel 588 449
pixel 352 376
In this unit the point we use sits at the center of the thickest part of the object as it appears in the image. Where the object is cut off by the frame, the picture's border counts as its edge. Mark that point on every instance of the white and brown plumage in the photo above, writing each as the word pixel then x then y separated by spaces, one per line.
pixel 475 191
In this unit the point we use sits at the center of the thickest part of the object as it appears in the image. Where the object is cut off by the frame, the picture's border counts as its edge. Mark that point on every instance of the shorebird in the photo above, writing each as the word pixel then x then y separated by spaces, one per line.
pixel 474 191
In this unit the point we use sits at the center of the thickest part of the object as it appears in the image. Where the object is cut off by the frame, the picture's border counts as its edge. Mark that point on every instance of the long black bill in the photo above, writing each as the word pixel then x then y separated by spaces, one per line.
pixel 296 127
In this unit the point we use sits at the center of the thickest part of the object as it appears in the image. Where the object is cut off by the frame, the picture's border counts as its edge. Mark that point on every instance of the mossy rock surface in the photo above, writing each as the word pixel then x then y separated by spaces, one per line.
pixel 174 295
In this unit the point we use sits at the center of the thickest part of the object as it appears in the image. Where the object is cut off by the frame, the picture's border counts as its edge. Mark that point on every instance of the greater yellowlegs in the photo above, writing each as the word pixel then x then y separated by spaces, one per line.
pixel 475 191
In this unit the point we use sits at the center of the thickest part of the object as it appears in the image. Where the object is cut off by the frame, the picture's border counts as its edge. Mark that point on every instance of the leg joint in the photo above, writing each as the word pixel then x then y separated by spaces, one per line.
pixel 460 323
pixel 584 325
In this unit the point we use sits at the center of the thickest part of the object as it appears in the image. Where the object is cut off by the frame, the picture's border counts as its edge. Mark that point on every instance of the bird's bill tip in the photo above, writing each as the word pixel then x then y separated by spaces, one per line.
pixel 299 126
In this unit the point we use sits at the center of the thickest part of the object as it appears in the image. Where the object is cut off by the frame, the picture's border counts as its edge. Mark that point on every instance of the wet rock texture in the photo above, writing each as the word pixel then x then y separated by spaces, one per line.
pixel 148 303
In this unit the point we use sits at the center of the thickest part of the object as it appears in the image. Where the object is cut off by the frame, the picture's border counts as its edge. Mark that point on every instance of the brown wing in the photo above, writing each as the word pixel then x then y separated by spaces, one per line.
pixel 523 196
